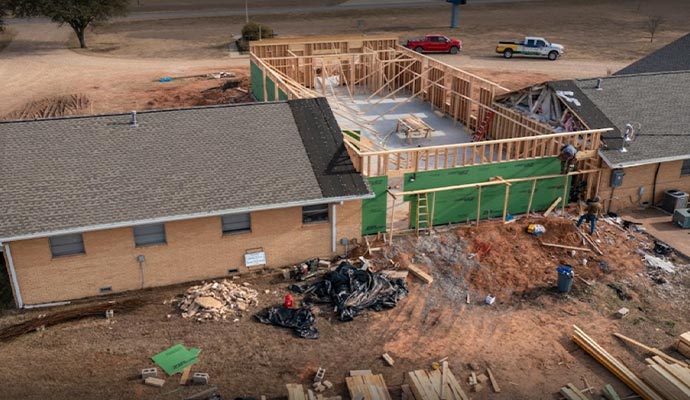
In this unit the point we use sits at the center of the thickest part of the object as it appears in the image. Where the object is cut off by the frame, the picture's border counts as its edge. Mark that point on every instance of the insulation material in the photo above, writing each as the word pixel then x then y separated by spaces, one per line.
pixel 461 205
pixel 374 210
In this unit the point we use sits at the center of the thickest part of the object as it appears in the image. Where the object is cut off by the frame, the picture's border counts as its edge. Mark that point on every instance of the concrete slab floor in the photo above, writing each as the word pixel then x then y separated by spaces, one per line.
pixel 658 224
pixel 377 119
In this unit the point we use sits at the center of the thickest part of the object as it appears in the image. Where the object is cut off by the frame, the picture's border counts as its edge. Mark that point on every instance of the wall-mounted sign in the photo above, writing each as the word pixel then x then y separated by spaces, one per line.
pixel 254 258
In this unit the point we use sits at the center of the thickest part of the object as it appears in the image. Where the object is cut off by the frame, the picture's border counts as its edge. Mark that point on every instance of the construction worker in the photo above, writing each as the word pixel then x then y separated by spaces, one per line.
pixel 591 214
pixel 567 157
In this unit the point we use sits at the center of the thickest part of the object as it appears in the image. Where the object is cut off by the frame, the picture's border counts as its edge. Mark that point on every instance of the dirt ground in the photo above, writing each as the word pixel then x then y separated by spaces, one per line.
pixel 127 57
pixel 523 337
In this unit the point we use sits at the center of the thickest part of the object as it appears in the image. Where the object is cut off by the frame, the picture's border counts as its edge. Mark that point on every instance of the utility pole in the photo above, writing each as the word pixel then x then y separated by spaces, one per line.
pixel 454 11
pixel 246 11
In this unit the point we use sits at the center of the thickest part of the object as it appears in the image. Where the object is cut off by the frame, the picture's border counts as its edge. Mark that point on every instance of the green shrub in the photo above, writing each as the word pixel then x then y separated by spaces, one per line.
pixel 252 30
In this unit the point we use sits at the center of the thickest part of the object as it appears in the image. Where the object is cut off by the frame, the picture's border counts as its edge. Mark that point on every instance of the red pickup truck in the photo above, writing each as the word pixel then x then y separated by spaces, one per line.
pixel 435 44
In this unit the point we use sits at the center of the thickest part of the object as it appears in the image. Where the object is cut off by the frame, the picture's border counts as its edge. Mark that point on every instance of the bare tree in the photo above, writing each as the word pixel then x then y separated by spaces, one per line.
pixel 653 24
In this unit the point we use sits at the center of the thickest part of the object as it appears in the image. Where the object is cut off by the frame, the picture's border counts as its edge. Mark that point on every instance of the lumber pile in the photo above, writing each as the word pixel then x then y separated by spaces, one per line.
pixel 437 384
pixel 683 345
pixel 614 365
pixel 216 301
pixel 367 386
pixel 670 380
pixel 571 392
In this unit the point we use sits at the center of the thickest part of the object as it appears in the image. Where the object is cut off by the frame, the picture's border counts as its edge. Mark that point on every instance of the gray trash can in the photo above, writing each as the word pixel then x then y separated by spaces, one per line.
pixel 565 278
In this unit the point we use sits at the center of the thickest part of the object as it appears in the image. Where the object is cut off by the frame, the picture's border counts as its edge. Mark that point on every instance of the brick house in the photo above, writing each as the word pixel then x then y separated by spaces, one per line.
pixel 111 203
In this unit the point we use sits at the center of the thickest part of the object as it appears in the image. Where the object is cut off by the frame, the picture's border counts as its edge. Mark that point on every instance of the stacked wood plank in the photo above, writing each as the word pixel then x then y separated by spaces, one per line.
pixel 683 345
pixel 438 384
pixel 614 365
pixel 670 380
pixel 296 392
pixel 571 392
pixel 367 386
pixel 216 301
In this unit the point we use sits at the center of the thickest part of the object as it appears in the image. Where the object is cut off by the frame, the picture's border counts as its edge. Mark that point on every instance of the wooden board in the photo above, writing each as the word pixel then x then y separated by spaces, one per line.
pixel 367 387
pixel 185 375
pixel 552 207
pixel 435 385
pixel 419 273
pixel 494 382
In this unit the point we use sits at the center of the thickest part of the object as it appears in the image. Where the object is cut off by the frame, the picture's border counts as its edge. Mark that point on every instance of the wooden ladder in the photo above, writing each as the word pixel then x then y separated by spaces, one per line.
pixel 425 214
pixel 484 126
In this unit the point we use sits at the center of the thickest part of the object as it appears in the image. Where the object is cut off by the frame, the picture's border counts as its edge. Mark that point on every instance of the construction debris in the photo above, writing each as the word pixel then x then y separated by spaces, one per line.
pixel 652 350
pixel 176 358
pixel 155 382
pixel 215 301
pixel 149 373
pixel 301 320
pixel 420 273
pixel 91 310
pixel 670 380
pixel 571 392
pixel 494 382
pixel 614 365
pixel 389 360
pixel 610 393
pixel 367 387
pixel 659 263
pixel 622 313
pixel 683 345
pixel 437 384
pixel 353 290
pixel 200 378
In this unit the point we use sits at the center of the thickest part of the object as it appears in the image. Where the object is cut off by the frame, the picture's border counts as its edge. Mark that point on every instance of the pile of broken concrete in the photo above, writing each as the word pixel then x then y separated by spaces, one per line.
pixel 215 301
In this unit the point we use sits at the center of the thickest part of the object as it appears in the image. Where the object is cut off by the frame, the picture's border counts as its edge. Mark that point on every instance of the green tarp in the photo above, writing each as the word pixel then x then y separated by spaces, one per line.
pixel 176 359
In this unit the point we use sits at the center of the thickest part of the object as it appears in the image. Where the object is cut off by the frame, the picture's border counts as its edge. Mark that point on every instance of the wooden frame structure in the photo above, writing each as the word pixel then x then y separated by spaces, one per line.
pixel 379 66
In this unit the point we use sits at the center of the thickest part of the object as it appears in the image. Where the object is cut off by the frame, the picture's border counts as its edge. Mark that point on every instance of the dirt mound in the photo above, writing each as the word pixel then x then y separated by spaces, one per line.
pixel 506 260
pixel 58 106
pixel 199 91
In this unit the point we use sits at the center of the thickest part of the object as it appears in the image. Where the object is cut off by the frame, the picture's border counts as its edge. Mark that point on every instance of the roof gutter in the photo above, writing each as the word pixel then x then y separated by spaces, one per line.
pixel 125 224
pixel 641 162
pixel 13 276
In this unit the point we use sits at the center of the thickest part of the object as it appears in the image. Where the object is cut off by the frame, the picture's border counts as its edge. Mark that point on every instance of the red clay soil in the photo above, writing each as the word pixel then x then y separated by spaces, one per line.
pixel 516 261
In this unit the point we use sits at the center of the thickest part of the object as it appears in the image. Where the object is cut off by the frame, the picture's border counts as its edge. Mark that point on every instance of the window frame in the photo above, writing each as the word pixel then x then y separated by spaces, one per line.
pixel 312 208
pixel 134 235
pixel 685 167
pixel 236 231
pixel 52 245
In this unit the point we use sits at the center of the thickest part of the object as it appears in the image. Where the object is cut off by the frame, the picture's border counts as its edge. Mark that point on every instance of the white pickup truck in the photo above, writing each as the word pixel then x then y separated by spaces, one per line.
pixel 531 46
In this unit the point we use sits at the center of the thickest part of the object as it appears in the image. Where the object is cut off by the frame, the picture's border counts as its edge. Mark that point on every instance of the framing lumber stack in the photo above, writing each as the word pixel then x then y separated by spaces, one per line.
pixel 614 365
pixel 295 392
pixel 435 385
pixel 683 345
pixel 367 387
pixel 671 380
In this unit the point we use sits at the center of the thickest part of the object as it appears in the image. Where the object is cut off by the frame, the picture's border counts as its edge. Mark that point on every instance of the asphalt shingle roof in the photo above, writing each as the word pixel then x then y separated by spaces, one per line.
pixel 85 172
pixel 656 105
pixel 675 56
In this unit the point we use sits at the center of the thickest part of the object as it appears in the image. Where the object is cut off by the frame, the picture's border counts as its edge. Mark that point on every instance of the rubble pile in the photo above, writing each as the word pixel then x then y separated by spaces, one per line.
pixel 216 301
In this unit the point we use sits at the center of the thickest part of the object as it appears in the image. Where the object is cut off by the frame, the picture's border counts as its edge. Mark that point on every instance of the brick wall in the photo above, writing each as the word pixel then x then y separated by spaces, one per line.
pixel 627 195
pixel 195 249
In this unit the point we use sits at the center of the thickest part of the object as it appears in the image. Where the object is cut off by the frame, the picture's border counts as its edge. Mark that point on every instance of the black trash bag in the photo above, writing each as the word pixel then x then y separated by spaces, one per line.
pixel 353 290
pixel 301 320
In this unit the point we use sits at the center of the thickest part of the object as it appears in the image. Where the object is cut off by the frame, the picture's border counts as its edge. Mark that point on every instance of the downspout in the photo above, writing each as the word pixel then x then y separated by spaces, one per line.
pixel 333 228
pixel 656 174
pixel 13 276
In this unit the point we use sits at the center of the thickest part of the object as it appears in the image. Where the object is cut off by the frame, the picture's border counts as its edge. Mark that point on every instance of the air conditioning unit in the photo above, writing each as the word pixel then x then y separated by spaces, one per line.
pixel 674 199
pixel 681 217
